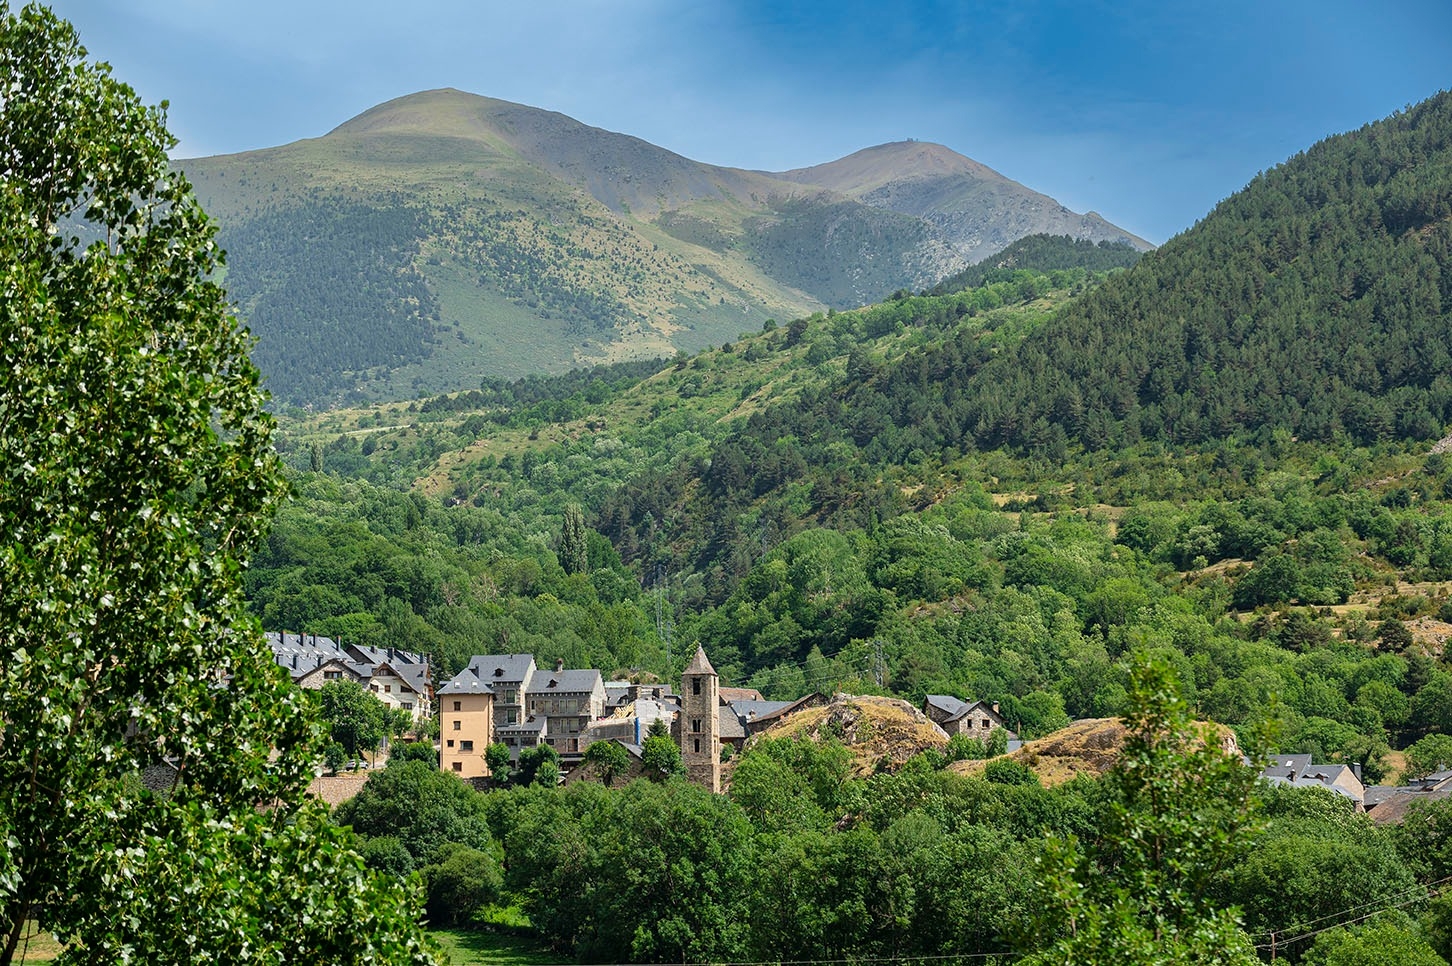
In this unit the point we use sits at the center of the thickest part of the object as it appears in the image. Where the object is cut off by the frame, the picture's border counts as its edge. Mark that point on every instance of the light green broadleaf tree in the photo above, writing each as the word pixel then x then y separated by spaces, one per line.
pixel 1183 807
pixel 136 473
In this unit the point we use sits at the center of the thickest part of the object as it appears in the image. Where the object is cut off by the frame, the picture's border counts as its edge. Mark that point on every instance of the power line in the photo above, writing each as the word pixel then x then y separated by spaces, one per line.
pixel 1277 941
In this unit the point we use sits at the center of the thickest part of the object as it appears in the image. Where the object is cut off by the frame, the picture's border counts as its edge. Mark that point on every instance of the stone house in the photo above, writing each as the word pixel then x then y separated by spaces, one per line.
pixel 977 719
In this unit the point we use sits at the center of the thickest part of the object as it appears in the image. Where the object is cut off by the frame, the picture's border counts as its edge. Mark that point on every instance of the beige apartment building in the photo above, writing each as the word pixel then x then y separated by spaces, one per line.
pixel 466 724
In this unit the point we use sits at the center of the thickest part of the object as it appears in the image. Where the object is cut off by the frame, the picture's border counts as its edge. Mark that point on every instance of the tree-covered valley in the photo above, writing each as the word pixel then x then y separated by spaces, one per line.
pixel 1220 462
pixel 1074 603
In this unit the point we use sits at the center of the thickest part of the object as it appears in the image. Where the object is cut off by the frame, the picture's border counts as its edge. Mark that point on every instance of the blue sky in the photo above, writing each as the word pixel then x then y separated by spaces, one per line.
pixel 1148 113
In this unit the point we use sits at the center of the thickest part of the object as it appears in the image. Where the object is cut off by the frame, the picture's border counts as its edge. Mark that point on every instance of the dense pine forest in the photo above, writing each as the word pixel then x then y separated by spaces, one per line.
pixel 1202 484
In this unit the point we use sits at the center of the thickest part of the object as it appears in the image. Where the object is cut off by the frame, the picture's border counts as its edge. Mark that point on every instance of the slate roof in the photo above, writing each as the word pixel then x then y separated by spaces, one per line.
pixel 416 676
pixel 301 653
pixel 503 668
pixel 729 695
pixel 383 655
pixel 565 682
pixel 955 709
pixel 947 704
pixel 1300 772
pixel 467 681
pixel 530 726
pixel 728 725
pixel 748 711
pixel 1391 804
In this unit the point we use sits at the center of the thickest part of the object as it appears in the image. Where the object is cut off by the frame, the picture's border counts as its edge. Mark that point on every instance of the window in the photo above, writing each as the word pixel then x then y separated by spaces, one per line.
pixel 696 724
pixel 697 743
pixel 406 705
pixel 332 675
pixel 388 689
pixel 695 685
pixel 458 766
pixel 458 705
pixel 451 742
pixel 466 746
pixel 457 723
pixel 987 724
pixel 372 687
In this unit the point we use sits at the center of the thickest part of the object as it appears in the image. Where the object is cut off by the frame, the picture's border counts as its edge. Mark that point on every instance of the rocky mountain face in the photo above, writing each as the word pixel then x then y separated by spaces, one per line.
pixel 973 209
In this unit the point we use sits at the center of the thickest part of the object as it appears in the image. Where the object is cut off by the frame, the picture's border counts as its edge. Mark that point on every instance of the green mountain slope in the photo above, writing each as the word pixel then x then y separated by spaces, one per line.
pixel 511 240
pixel 1317 301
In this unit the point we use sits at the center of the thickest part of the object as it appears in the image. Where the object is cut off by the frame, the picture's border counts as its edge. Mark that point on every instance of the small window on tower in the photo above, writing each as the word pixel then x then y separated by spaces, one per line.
pixel 695 685
pixel 697 743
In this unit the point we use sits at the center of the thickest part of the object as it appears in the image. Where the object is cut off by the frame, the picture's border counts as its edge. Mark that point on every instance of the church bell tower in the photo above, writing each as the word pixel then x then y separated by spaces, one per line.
pixel 700 722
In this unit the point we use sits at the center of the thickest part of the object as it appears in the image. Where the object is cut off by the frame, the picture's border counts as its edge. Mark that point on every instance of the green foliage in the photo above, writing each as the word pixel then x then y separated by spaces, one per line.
pixel 354 717
pixel 139 476
pixel 660 758
pixel 414 751
pixel 1040 253
pixel 1373 944
pixel 460 881
pixel 1006 771
pixel 1352 233
pixel 609 758
pixel 539 765
pixel 1181 808
pixel 496 756
pixel 422 807
pixel 1432 753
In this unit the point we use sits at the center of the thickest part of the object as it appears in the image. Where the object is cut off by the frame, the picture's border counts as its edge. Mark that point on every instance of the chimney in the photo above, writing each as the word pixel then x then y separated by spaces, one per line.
pixel 294 662
pixel 995 707
pixel 1356 769
pixel 559 664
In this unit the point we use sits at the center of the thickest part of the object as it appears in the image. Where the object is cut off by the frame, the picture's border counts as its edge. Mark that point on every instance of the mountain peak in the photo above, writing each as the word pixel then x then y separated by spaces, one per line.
pixel 871 168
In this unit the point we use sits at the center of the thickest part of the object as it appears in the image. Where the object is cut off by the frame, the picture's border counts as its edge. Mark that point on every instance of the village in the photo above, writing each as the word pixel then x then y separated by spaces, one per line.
pixel 508 700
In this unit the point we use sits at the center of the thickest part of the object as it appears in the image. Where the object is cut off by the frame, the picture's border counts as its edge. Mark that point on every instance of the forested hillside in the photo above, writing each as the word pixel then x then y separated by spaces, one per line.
pixel 1316 301
pixel 1020 491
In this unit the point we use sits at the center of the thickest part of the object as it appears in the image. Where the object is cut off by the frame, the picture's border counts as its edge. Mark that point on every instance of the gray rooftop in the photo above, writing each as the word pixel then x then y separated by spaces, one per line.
pixel 565 682
pixel 467 681
pixel 751 710
pixel 301 653
pixel 498 669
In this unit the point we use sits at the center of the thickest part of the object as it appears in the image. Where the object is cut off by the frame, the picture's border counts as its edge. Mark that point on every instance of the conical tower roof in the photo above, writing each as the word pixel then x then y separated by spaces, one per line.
pixel 699 664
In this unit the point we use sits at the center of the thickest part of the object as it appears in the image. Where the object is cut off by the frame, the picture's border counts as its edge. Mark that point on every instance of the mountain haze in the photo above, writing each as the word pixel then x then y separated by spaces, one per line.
pixel 444 236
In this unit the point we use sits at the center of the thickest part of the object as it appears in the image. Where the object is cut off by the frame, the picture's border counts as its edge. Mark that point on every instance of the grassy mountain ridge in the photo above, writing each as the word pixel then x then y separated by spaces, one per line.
pixel 543 243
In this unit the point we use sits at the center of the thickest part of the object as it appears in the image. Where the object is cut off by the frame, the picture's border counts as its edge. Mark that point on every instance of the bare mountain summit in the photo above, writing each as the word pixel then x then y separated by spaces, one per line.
pixel 975 209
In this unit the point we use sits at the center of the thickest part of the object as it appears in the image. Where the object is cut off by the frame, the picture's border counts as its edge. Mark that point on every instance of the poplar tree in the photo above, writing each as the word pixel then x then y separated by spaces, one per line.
pixel 136 473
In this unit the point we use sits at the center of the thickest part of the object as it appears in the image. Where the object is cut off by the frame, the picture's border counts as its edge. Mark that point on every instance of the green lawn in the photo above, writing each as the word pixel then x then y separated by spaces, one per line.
pixel 466 947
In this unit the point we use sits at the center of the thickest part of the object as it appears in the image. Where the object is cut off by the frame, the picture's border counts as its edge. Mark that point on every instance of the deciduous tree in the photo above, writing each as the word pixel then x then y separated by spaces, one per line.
pixel 136 473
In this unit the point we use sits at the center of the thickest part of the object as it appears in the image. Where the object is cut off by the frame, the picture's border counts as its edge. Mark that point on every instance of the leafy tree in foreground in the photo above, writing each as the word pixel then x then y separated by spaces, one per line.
pixel 136 472
pixel 1182 806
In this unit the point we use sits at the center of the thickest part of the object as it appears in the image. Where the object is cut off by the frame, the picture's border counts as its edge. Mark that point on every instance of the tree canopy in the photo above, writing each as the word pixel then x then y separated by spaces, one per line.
pixel 136 473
